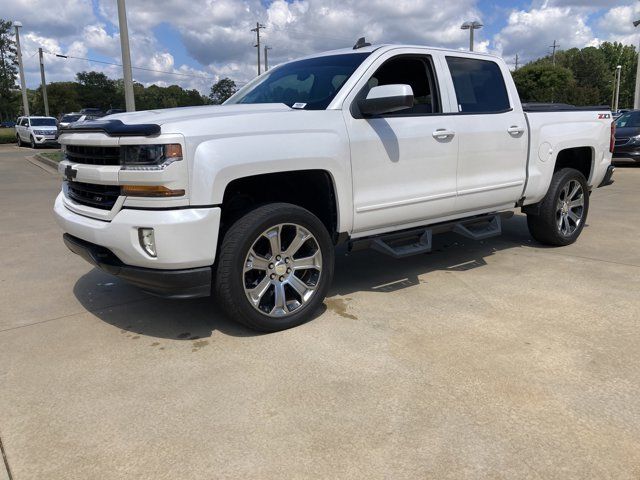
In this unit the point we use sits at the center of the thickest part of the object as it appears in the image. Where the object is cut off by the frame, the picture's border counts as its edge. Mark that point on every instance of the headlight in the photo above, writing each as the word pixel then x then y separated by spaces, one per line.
pixel 635 140
pixel 40 132
pixel 149 157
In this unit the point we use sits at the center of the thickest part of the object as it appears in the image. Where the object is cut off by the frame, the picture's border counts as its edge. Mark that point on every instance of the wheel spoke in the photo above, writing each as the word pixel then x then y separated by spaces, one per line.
pixel 574 217
pixel 299 286
pixel 565 192
pixel 560 221
pixel 255 262
pixel 301 237
pixel 575 190
pixel 313 261
pixel 257 292
pixel 565 224
pixel 280 300
pixel 273 236
pixel 579 202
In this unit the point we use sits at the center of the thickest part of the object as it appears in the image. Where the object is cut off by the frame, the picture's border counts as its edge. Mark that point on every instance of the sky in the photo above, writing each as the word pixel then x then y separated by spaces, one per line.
pixel 200 41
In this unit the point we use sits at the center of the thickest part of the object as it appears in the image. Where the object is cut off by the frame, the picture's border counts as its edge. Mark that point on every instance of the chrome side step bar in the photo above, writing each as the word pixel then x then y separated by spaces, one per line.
pixel 420 240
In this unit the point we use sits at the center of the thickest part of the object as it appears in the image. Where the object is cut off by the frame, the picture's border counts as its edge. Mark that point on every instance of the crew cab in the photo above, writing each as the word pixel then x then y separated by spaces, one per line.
pixel 36 131
pixel 376 146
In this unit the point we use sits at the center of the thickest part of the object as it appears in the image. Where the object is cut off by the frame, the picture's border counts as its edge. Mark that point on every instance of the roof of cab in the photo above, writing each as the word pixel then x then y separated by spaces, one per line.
pixel 387 47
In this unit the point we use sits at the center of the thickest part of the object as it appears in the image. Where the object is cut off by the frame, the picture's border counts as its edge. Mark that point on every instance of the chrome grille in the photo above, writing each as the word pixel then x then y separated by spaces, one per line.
pixel 92 195
pixel 93 155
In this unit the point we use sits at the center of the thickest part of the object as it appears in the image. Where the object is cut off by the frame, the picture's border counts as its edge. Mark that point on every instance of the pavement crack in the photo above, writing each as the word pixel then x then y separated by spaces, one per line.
pixel 74 314
pixel 4 458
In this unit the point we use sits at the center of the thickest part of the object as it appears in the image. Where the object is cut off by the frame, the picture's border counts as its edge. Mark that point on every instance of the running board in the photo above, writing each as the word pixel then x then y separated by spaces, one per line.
pixel 420 240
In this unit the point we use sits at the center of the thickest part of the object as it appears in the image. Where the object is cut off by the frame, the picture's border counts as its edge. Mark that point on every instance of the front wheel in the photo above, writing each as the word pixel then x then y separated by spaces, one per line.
pixel 275 267
pixel 19 140
pixel 33 143
pixel 563 211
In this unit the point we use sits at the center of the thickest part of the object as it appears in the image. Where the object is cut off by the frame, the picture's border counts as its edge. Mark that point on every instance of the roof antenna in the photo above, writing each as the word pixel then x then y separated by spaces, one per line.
pixel 361 43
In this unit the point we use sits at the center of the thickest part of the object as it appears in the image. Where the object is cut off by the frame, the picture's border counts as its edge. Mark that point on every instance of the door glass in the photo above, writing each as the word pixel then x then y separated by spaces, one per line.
pixel 415 72
pixel 479 85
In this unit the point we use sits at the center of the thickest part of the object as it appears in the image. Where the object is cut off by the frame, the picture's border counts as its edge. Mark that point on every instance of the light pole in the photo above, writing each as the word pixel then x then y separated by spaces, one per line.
pixel 44 84
pixel 266 57
pixel 129 99
pixel 616 89
pixel 23 85
pixel 636 98
pixel 471 26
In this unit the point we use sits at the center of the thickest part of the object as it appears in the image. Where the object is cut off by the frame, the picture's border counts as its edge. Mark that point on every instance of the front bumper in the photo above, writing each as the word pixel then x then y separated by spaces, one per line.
pixel 184 237
pixel 42 140
pixel 626 154
pixel 184 283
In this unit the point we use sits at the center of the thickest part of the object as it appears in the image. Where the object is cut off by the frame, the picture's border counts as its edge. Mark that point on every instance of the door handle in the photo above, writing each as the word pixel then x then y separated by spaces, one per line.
pixel 515 130
pixel 443 134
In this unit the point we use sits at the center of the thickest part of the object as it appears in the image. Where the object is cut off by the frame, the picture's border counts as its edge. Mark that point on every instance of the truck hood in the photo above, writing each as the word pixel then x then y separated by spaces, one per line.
pixel 181 115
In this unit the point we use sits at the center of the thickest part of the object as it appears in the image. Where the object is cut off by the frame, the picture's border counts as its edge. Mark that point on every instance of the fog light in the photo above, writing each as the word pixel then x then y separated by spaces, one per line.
pixel 147 241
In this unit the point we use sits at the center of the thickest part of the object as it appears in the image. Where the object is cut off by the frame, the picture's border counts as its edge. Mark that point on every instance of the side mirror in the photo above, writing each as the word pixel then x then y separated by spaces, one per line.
pixel 386 99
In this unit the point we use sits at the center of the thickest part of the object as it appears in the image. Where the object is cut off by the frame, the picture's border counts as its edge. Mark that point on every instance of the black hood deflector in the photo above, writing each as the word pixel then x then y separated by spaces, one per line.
pixel 113 128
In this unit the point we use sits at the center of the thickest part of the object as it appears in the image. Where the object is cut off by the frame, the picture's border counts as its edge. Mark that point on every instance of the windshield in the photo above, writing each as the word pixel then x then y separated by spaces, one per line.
pixel 43 122
pixel 631 119
pixel 308 84
pixel 70 118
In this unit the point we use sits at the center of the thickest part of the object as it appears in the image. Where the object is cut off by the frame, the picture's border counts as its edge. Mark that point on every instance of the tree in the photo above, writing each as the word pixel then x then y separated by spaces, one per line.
pixel 624 55
pixel 222 90
pixel 96 90
pixel 8 71
pixel 544 82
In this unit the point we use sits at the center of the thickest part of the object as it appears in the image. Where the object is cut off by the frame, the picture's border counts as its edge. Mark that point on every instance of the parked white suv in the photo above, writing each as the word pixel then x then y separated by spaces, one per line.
pixel 36 131
pixel 377 147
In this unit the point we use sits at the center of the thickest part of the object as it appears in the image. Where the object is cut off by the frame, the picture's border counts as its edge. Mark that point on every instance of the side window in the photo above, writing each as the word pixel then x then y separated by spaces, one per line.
pixel 479 85
pixel 25 122
pixel 414 71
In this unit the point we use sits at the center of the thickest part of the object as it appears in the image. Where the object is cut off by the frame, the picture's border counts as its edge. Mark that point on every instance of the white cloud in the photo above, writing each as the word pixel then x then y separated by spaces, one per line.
pixel 530 33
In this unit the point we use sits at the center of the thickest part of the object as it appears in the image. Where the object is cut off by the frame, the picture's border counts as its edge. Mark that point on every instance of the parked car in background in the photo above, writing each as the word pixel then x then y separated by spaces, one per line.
pixel 619 113
pixel 7 124
pixel 627 146
pixel 36 131
pixel 113 111
pixel 94 112
pixel 68 119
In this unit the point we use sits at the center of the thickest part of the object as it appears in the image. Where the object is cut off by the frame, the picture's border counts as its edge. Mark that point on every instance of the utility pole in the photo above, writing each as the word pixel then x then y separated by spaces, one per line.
pixel 257 30
pixel 553 55
pixel 127 75
pixel 266 57
pixel 616 91
pixel 23 85
pixel 44 84
pixel 636 98
pixel 517 64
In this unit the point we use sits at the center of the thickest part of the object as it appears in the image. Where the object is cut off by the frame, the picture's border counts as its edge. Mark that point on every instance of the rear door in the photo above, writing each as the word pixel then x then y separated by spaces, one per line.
pixel 403 171
pixel 492 132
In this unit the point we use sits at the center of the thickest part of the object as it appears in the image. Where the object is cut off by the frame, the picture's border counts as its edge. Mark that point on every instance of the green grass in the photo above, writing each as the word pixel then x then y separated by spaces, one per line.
pixel 55 155
pixel 7 135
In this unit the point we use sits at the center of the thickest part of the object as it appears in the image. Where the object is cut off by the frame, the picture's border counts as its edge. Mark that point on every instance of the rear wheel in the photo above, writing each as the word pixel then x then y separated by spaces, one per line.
pixel 563 211
pixel 19 140
pixel 275 267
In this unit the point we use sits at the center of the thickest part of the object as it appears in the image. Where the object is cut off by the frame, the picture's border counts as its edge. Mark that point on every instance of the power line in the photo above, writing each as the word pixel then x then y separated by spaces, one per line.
pixel 136 68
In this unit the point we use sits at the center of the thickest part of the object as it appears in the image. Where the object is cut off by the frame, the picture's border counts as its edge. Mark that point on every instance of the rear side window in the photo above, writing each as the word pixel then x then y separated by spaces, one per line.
pixel 479 85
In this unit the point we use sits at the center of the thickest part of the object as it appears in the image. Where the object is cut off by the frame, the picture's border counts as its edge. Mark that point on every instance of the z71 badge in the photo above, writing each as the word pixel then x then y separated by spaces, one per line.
pixel 604 116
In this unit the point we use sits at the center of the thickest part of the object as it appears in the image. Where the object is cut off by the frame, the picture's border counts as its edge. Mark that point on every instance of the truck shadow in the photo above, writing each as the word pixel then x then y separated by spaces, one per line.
pixel 137 313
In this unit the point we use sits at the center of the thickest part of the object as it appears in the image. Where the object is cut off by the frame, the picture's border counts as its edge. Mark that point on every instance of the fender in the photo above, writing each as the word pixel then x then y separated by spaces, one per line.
pixel 219 161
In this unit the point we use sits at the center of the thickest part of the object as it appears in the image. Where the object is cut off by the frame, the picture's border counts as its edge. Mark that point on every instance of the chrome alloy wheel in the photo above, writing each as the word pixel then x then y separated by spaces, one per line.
pixel 282 270
pixel 570 208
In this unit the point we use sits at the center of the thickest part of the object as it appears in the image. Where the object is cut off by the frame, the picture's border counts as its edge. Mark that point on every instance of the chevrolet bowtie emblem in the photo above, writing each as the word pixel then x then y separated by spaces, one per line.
pixel 70 173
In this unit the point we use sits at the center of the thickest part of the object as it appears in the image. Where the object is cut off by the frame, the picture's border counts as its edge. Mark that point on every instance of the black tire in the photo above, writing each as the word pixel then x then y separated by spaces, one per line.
pixel 33 143
pixel 19 140
pixel 230 280
pixel 545 224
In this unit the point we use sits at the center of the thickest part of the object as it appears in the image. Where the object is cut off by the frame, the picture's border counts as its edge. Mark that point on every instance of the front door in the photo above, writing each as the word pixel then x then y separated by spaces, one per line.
pixel 403 164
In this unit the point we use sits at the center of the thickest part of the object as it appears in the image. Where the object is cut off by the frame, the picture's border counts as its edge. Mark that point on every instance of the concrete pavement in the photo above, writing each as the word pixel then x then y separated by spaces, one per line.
pixel 494 359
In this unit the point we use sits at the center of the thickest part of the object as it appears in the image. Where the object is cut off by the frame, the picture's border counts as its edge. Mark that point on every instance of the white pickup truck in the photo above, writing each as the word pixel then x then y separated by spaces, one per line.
pixel 378 146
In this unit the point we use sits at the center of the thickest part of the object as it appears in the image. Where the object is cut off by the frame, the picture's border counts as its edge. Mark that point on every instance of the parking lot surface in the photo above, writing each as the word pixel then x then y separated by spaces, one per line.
pixel 494 359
